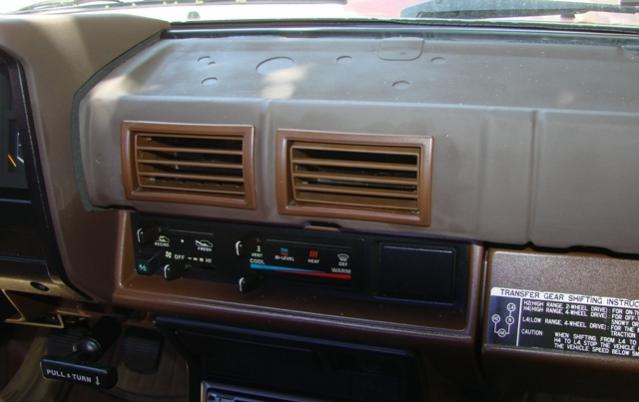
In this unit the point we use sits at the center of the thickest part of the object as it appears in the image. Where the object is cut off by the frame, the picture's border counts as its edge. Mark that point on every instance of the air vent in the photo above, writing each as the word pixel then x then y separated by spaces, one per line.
pixel 188 163
pixel 355 176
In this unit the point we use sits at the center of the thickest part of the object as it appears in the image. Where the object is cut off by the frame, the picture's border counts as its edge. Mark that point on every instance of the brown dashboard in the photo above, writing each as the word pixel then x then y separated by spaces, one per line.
pixel 469 194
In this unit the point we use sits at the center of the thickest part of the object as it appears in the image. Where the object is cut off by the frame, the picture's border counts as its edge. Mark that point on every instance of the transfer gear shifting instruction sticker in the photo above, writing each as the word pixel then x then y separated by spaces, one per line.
pixel 563 322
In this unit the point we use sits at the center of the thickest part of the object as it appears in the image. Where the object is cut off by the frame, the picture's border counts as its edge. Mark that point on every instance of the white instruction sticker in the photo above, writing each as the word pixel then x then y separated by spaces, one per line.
pixel 563 322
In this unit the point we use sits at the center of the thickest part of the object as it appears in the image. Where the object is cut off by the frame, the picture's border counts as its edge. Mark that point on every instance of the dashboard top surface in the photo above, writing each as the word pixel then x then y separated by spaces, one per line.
pixel 519 127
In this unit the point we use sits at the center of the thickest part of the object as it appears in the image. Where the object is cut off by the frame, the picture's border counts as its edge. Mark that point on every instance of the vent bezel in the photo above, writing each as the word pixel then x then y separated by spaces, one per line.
pixel 133 190
pixel 285 197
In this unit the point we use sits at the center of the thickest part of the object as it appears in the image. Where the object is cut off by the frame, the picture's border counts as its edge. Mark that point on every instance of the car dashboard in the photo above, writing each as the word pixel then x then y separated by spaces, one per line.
pixel 328 211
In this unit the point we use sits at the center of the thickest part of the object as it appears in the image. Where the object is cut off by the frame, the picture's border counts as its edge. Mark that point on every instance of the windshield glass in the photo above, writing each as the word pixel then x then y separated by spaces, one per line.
pixel 591 14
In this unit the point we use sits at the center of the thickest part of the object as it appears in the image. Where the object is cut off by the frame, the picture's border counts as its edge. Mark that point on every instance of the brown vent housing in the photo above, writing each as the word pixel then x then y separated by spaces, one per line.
pixel 189 163
pixel 354 176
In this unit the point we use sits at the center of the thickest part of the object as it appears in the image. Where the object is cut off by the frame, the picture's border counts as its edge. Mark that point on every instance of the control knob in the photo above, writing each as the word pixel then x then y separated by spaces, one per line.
pixel 148 266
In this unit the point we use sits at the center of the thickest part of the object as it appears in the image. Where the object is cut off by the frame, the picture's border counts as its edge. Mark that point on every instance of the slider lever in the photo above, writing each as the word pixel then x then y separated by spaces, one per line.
pixel 248 283
pixel 80 366
pixel 245 246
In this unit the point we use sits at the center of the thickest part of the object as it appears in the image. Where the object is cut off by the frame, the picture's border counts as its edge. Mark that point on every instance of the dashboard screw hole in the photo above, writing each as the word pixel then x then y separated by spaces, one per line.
pixel 401 85
pixel 209 81
pixel 274 64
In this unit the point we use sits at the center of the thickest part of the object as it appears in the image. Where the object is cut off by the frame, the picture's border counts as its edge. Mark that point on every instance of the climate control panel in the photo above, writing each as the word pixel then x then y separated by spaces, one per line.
pixel 170 251
pixel 302 259
pixel 254 257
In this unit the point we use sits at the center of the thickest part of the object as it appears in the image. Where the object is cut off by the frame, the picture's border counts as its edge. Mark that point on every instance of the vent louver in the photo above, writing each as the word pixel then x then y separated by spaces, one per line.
pixel 355 176
pixel 188 163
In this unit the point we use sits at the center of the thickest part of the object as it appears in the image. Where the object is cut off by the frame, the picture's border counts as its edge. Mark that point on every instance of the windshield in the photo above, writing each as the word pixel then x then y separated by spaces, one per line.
pixel 597 14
